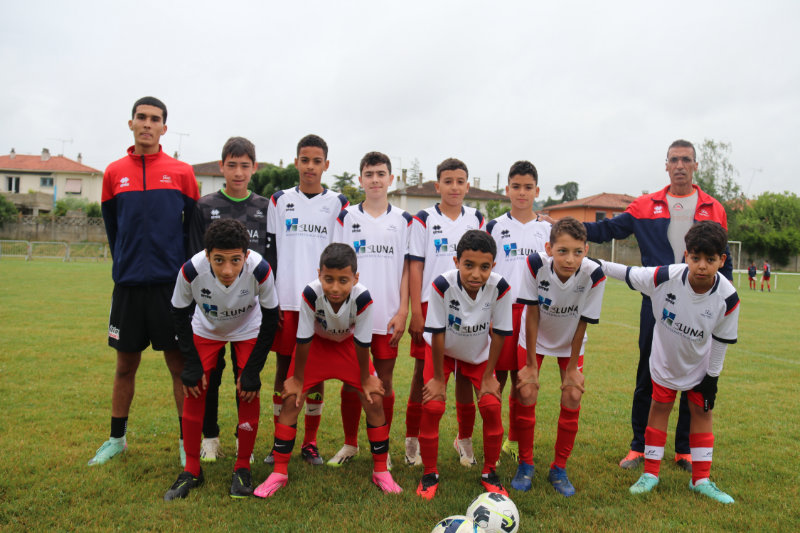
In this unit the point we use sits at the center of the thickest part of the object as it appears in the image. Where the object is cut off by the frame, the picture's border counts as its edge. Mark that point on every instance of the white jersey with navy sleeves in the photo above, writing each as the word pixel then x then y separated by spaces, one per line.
pixel 226 313
pixel 317 317
pixel 515 242
pixel 467 323
pixel 381 245
pixel 686 322
pixel 303 227
pixel 434 237
pixel 561 304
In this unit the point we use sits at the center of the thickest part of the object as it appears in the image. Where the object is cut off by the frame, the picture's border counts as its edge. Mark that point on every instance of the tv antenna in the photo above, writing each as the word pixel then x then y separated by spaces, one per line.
pixel 63 142
pixel 180 142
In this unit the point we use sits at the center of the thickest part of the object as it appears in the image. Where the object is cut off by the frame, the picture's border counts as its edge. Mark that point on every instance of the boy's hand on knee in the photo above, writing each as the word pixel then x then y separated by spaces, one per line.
pixel 528 383
pixel 490 385
pixel 708 388
pixel 372 385
pixel 246 396
pixel 573 378
pixel 293 387
pixel 432 390
pixel 195 391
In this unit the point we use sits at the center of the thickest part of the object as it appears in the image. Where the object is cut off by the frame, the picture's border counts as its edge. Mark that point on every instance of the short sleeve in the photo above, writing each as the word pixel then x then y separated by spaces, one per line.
pixel 362 332
pixel 726 329
pixel 501 313
pixel 529 289
pixel 182 295
pixel 594 298
pixel 267 295
pixel 305 319
pixel 436 319
pixel 417 237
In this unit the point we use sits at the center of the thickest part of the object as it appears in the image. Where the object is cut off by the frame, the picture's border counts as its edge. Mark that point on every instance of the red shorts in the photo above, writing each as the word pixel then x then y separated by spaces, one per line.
pixel 665 395
pixel 751 278
pixel 418 350
pixel 380 347
pixel 329 359
pixel 522 353
pixel 208 350
pixel 286 335
pixel 472 371
pixel 509 357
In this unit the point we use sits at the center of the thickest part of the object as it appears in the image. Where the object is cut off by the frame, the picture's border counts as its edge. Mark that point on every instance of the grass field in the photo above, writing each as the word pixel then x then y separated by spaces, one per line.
pixel 55 385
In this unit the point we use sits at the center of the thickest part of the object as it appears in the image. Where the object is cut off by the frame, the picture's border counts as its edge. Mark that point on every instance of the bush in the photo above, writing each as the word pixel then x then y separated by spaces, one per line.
pixel 92 209
pixel 8 210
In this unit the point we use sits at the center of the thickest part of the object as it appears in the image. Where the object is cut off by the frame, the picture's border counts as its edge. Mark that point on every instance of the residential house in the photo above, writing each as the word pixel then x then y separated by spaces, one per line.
pixel 417 197
pixel 592 208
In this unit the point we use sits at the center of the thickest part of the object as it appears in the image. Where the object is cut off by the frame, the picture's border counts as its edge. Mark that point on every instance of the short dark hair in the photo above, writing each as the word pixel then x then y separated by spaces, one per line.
pixel 372 159
pixel 338 255
pixel 153 101
pixel 523 168
pixel 226 234
pixel 477 241
pixel 706 237
pixel 237 147
pixel 569 225
pixel 451 163
pixel 681 143
pixel 313 140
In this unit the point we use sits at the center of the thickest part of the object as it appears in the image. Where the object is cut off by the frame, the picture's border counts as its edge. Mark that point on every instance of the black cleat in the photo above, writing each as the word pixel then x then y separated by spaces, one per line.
pixel 183 485
pixel 310 454
pixel 242 484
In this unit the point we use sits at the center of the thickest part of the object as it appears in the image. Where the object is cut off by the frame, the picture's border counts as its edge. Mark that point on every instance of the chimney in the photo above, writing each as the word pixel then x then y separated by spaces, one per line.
pixel 80 158
pixel 476 182
pixel 45 154
pixel 12 154
pixel 401 183
pixel 176 155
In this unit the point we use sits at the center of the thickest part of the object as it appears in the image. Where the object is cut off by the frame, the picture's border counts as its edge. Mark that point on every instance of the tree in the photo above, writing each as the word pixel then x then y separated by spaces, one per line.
pixel 715 173
pixel 346 184
pixel 770 226
pixel 92 209
pixel 8 211
pixel 270 178
pixel 495 208
pixel 414 173
pixel 568 192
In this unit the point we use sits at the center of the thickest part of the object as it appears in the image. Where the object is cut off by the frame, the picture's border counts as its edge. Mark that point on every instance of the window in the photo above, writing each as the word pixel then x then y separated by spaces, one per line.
pixel 12 184
pixel 599 215
pixel 73 186
pixel 45 182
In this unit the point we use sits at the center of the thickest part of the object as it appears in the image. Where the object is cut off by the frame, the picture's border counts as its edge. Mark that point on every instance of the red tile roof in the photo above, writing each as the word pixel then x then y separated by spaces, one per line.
pixel 34 163
pixel 428 190
pixel 603 200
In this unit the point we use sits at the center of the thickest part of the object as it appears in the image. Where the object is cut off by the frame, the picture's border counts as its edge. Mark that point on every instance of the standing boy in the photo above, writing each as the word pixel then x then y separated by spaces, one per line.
pixel 518 234
pixel 563 291
pixel 469 313
pixel 378 231
pixel 148 200
pixel 765 276
pixel 224 294
pixel 752 274
pixel 432 245
pixel 333 338
pixel 697 313
pixel 300 225
pixel 237 202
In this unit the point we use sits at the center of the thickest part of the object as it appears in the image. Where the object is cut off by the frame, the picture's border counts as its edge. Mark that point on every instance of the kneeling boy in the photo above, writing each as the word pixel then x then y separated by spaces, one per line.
pixel 698 318
pixel 334 332
pixel 223 294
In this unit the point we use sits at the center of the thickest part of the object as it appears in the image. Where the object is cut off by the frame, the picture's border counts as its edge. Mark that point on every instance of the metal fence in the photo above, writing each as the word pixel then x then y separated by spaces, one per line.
pixel 63 251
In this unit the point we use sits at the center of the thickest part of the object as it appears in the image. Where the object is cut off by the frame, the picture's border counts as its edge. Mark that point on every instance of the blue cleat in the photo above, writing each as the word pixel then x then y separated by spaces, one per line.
pixel 645 484
pixel 710 490
pixel 558 478
pixel 110 448
pixel 522 479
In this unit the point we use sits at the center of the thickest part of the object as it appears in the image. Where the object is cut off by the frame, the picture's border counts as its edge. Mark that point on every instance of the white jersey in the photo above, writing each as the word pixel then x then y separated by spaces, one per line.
pixel 318 318
pixel 226 313
pixel 303 227
pixel 686 322
pixel 381 245
pixel 561 304
pixel 467 323
pixel 434 238
pixel 515 242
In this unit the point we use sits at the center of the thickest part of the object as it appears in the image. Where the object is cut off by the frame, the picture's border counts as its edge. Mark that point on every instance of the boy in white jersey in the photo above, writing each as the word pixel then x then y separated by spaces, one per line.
pixel 469 313
pixel 333 338
pixel 378 231
pixel 434 236
pixel 299 226
pixel 697 313
pixel 223 294
pixel 518 234
pixel 562 291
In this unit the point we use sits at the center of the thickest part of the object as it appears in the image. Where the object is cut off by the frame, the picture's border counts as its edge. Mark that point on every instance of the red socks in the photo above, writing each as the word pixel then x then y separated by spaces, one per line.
pixel 465 414
pixel 313 418
pixel 351 416
pixel 654 442
pixel 192 424
pixel 247 431
pixel 379 446
pixel 702 448
pixel 284 441
pixel 429 434
pixel 491 413
pixel 525 423
pixel 413 418
pixel 565 437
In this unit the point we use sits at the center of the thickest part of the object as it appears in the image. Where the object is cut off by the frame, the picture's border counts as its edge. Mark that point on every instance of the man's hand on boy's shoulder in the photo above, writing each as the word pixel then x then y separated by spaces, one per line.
pixel 433 389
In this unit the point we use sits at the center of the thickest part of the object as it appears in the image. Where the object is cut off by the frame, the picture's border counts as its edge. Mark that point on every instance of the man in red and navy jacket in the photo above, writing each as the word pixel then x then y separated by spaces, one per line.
pixel 660 221
pixel 148 200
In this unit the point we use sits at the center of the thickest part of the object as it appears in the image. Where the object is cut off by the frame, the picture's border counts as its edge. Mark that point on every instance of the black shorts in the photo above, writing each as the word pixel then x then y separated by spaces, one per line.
pixel 141 316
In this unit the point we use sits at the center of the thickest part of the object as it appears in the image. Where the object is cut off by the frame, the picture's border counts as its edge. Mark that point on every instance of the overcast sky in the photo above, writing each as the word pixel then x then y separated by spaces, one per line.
pixel 591 92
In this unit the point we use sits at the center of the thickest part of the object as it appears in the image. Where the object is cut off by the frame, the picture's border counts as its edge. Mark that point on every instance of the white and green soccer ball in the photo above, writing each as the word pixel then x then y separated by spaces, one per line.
pixel 456 524
pixel 494 513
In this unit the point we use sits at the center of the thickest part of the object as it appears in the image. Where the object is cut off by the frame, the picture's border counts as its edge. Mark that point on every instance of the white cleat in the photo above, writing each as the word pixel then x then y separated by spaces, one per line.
pixel 413 457
pixel 343 456
pixel 465 453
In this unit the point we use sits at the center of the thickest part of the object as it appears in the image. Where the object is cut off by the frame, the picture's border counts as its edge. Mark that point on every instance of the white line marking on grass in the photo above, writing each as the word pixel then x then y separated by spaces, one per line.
pixel 621 324
pixel 766 356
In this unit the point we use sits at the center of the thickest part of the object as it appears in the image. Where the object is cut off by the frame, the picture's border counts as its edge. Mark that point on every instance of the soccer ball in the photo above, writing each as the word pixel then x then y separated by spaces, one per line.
pixel 494 513
pixel 456 524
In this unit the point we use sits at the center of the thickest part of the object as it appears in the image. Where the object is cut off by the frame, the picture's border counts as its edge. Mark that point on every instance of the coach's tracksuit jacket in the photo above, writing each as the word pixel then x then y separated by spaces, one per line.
pixel 147 205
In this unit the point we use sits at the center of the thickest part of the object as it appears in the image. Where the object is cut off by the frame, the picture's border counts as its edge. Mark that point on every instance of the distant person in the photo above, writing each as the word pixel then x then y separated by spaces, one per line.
pixel 148 200
pixel 659 221
pixel 765 276
pixel 752 274
pixel 697 314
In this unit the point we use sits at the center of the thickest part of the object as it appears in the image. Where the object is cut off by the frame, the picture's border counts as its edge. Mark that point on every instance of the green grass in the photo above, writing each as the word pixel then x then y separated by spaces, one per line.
pixel 55 386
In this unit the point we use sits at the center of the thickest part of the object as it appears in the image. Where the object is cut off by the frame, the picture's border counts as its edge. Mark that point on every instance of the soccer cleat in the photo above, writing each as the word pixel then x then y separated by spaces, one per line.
pixel 273 484
pixel 522 479
pixel 182 452
pixel 388 462
pixel 644 484
pixel 492 483
pixel 385 482
pixel 428 485
pixel 413 457
pixel 183 485
pixel 511 448
pixel 710 490
pixel 310 454
pixel 465 453
pixel 242 484
pixel 109 449
pixel 345 455
pixel 558 478
pixel 269 459
pixel 684 461
pixel 632 460
pixel 252 457
pixel 209 450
